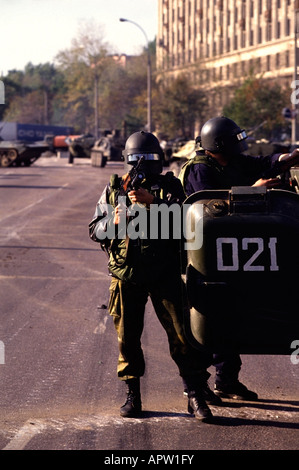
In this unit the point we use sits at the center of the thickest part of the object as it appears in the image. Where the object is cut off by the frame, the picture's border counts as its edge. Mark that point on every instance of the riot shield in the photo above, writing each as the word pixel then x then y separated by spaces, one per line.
pixel 243 280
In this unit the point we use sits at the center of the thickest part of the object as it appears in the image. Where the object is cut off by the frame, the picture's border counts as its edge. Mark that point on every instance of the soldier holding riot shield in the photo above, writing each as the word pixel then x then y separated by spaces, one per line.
pixel 221 164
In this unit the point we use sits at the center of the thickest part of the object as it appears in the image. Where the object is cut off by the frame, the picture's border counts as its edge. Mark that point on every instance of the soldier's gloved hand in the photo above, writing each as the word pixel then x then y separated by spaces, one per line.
pixel 269 183
pixel 141 195
pixel 289 159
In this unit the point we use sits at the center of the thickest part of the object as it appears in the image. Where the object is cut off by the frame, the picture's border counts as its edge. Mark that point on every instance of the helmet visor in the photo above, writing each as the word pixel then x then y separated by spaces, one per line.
pixel 134 157
pixel 241 135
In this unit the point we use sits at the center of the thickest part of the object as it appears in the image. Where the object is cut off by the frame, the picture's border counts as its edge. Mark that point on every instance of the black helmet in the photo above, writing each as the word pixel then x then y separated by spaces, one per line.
pixel 147 145
pixel 222 135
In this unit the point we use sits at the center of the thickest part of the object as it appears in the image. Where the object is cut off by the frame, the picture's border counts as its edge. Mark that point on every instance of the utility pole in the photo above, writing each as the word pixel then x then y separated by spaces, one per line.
pixel 149 76
pixel 296 64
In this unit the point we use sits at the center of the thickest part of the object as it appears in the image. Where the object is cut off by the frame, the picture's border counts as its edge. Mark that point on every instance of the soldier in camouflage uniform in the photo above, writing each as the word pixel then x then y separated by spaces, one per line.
pixel 143 268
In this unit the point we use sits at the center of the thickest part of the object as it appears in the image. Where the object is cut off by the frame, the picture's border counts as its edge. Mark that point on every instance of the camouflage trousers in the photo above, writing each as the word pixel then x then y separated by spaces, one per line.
pixel 127 306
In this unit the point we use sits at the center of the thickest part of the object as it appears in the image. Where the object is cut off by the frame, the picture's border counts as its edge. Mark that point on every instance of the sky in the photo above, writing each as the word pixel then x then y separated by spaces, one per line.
pixel 36 30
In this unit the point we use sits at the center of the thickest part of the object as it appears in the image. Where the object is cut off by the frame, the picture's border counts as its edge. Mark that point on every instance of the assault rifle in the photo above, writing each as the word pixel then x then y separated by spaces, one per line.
pixel 132 179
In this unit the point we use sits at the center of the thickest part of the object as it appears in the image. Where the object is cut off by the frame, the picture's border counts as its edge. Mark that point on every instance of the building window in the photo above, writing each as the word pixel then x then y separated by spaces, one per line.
pixel 228 44
pixel 235 42
pixel 278 30
pixel 235 68
pixel 268 32
pixel 268 63
pixel 243 39
pixel 214 48
pixel 220 73
pixel 258 65
pixel 277 60
pixel 287 27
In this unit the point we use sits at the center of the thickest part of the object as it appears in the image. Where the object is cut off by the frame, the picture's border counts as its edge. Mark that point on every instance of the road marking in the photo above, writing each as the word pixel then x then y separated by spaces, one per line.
pixel 24 435
pixel 94 422
pixel 33 427
pixel 101 328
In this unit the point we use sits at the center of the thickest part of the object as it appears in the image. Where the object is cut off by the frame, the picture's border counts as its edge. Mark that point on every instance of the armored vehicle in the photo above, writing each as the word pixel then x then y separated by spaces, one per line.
pixel 81 145
pixel 108 148
pixel 265 147
pixel 18 153
pixel 242 273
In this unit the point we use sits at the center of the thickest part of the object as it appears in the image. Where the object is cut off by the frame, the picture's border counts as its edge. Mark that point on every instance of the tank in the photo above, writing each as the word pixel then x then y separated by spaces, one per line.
pixel 108 148
pixel 81 145
pixel 242 276
pixel 18 153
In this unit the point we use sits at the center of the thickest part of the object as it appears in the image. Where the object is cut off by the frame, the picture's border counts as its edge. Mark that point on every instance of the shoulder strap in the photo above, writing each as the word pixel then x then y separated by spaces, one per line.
pixel 114 186
pixel 199 158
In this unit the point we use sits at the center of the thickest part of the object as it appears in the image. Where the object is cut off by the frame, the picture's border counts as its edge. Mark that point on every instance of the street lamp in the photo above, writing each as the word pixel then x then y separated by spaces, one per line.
pixel 149 76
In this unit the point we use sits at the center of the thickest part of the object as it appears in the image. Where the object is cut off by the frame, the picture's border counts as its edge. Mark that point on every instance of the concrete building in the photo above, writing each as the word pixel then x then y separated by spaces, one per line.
pixel 219 42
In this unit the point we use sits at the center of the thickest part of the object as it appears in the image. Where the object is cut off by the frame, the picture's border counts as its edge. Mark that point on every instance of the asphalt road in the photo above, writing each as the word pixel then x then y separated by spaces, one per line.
pixel 58 348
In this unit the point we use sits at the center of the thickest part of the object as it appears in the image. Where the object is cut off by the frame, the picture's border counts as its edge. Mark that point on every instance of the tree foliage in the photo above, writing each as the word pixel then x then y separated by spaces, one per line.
pixel 63 93
pixel 180 106
pixel 257 101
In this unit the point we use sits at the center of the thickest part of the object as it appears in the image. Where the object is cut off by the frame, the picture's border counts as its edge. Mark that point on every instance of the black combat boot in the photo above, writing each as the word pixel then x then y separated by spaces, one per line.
pixel 132 406
pixel 209 396
pixel 234 390
pixel 197 406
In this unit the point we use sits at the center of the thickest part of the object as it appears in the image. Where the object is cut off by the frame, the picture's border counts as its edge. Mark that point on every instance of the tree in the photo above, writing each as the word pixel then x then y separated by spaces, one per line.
pixel 180 107
pixel 258 101
pixel 84 66
pixel 64 93
pixel 30 94
pixel 90 68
